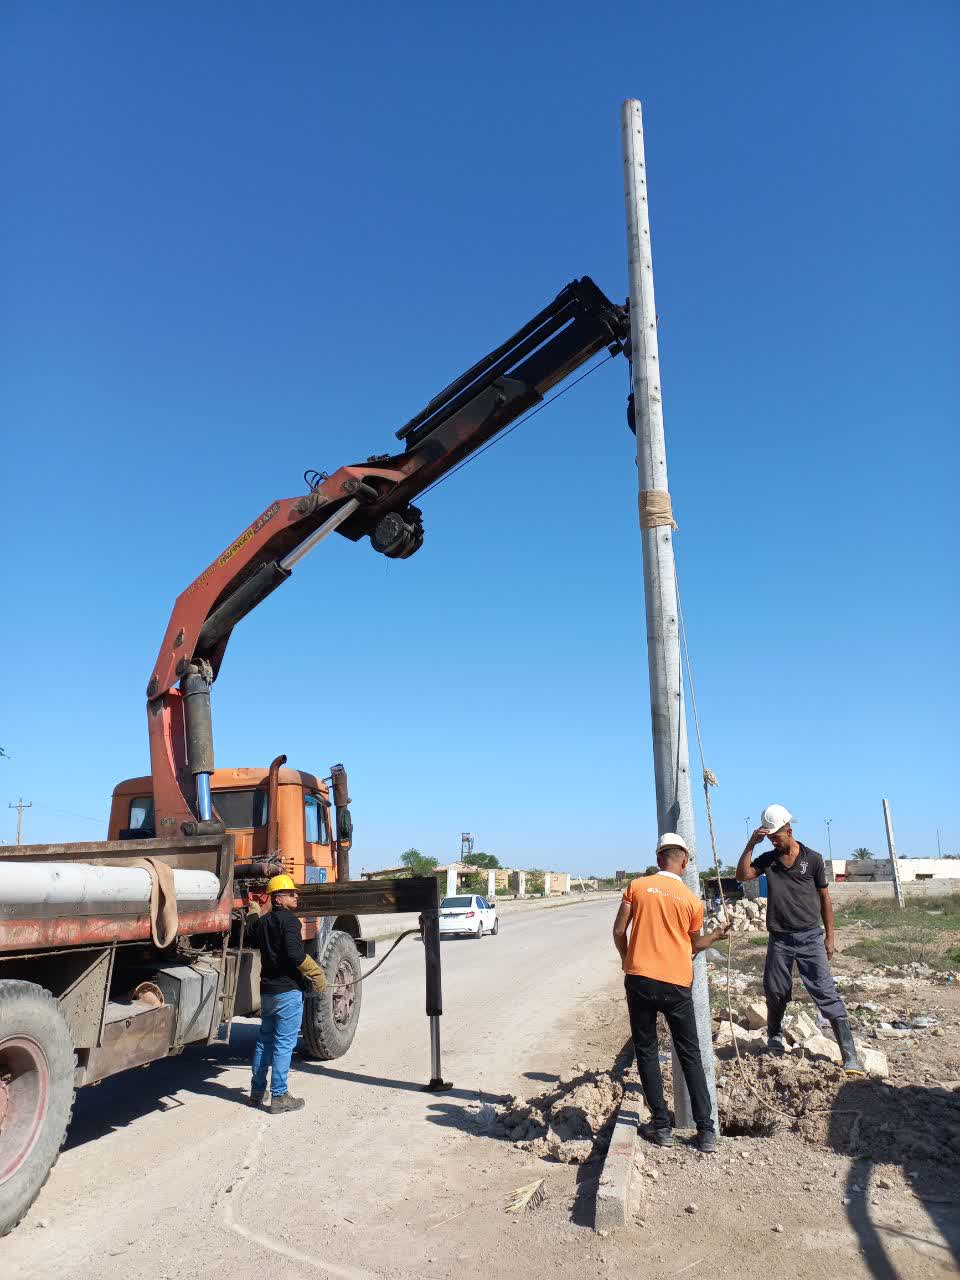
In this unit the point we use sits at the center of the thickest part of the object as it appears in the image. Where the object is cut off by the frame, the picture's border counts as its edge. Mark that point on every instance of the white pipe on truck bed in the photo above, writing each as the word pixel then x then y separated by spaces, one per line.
pixel 80 884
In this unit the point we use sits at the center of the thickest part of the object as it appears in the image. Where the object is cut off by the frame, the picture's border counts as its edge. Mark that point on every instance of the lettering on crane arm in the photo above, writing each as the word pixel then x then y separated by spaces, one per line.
pixel 234 547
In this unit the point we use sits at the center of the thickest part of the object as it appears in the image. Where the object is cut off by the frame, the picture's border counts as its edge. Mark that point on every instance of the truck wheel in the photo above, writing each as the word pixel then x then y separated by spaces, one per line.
pixel 36 1094
pixel 330 1020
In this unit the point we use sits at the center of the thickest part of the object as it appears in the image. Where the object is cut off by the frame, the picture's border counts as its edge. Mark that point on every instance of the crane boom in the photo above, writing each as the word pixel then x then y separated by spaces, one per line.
pixel 372 498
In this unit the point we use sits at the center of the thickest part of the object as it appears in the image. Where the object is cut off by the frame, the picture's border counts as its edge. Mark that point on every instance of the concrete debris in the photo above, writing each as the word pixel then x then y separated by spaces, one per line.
pixel 755 1015
pixel 748 916
pixel 801 1033
pixel 874 1062
pixel 487 1116
pixel 821 1047
pixel 753 1041
pixel 800 1028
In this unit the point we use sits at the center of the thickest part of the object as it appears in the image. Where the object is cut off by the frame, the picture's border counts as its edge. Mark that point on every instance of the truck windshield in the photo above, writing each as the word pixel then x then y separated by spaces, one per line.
pixel 238 809
pixel 241 809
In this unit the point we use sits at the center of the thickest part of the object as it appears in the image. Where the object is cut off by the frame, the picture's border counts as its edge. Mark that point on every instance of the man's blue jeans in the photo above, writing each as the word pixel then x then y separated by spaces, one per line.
pixel 280 1018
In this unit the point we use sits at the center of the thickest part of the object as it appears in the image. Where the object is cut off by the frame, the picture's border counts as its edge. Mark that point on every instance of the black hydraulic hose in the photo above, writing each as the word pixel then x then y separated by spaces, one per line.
pixel 363 977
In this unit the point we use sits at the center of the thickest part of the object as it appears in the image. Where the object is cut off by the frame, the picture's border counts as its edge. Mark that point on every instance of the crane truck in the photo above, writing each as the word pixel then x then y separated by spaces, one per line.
pixel 118 953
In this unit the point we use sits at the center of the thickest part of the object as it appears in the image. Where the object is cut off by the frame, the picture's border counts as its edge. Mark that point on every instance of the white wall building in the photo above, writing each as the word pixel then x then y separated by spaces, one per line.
pixel 910 869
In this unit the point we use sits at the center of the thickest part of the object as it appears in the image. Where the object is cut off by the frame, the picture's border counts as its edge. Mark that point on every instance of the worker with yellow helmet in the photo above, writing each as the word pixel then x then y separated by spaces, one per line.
pixel 285 968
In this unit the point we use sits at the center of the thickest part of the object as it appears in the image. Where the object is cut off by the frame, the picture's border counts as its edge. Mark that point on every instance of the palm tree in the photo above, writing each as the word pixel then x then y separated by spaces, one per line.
pixel 862 853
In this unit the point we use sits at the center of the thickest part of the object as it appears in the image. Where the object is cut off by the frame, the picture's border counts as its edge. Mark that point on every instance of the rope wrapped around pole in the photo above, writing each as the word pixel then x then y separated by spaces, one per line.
pixel 656 509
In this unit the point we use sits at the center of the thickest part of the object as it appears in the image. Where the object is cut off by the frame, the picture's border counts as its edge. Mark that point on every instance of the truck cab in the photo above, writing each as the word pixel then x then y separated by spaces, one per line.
pixel 279 818
pixel 302 826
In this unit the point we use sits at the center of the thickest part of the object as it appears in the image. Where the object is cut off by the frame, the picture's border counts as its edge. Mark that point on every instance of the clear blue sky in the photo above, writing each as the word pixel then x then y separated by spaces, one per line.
pixel 238 241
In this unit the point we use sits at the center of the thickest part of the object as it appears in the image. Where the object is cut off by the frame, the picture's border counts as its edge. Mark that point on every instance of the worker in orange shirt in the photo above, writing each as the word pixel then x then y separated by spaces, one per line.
pixel 657 934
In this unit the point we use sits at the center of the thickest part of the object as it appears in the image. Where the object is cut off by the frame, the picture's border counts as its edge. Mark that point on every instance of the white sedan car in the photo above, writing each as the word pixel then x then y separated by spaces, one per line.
pixel 468 913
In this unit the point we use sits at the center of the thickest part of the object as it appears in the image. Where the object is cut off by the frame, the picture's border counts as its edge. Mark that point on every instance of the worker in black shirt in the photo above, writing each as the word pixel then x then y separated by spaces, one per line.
pixel 284 969
pixel 798 900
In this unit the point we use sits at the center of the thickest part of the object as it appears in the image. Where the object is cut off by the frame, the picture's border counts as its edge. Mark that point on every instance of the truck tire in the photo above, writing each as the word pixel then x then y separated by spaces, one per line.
pixel 330 1020
pixel 36 1094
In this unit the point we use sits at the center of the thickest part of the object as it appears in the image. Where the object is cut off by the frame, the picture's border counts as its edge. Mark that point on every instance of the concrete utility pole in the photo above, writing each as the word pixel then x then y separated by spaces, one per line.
pixel 20 806
pixel 892 849
pixel 671 765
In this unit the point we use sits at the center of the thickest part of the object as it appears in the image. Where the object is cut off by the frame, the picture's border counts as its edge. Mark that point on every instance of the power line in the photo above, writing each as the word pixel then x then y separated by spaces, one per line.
pixel 67 813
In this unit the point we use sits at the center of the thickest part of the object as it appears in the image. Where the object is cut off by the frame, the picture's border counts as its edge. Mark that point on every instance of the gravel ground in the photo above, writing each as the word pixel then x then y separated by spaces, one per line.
pixel 169 1177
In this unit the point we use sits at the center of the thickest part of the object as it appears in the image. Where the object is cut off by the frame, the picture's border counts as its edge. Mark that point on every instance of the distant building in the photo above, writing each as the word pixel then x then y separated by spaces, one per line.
pixel 453 876
pixel 879 869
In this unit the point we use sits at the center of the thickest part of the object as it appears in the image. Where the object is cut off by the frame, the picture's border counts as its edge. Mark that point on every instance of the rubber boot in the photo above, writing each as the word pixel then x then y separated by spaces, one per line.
pixel 848 1050
pixel 286 1102
pixel 776 1007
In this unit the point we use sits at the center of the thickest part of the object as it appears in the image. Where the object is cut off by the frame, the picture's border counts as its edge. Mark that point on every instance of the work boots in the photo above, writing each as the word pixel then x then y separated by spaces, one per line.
pixel 660 1137
pixel 848 1050
pixel 706 1141
pixel 255 1099
pixel 285 1102
pixel 776 1007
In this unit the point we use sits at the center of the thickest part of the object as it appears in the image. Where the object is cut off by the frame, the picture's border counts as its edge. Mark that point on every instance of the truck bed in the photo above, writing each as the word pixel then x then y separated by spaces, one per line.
pixel 26 927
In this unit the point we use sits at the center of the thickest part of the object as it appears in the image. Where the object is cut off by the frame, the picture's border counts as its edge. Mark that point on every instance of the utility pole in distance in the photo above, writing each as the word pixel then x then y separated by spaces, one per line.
pixel 20 806
pixel 671 764
pixel 892 849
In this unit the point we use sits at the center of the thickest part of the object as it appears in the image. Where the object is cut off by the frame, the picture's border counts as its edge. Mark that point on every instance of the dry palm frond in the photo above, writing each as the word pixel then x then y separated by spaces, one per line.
pixel 527 1197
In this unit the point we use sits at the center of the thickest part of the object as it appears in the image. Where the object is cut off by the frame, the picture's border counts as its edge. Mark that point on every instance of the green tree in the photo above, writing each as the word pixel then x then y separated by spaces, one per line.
pixel 417 863
pixel 476 882
pixel 535 882
pixel 485 860
pixel 862 853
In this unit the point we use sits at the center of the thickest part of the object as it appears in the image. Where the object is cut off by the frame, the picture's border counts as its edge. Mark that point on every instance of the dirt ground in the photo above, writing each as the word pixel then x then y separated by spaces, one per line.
pixel 169 1177
pixel 862 1177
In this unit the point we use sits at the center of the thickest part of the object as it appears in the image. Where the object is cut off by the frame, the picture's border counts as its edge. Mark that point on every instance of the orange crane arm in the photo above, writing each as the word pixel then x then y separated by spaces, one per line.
pixel 372 498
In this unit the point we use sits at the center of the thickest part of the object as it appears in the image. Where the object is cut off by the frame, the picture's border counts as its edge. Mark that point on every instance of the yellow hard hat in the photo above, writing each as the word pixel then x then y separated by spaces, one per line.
pixel 281 884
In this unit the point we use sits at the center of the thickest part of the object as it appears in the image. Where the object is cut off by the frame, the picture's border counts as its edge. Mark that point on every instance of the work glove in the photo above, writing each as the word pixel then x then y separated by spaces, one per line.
pixel 314 975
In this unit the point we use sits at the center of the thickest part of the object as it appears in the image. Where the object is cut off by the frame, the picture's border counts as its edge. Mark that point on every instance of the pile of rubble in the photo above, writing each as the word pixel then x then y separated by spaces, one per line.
pixel 565 1122
pixel 864 1118
pixel 804 1038
pixel 749 915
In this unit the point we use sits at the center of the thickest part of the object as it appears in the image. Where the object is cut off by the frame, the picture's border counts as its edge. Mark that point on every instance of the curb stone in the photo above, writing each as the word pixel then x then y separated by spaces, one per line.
pixel 613 1190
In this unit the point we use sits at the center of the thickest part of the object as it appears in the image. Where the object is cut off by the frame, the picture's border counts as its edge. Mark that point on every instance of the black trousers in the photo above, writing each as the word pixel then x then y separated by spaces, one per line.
pixel 646 997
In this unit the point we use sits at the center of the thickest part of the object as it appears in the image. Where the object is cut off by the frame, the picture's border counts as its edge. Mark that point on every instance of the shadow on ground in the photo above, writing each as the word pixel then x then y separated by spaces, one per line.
pixel 449 1115
pixel 121 1099
pixel 916 1128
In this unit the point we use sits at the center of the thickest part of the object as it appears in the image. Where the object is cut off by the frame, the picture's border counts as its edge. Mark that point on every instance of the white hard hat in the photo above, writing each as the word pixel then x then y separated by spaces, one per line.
pixel 774 817
pixel 670 840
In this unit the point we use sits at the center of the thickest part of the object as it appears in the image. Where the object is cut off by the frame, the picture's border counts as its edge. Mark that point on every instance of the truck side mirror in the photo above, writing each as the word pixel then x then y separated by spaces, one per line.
pixel 344 824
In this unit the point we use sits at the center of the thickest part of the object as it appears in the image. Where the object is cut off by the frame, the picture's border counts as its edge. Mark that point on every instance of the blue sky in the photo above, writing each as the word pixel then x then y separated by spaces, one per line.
pixel 240 241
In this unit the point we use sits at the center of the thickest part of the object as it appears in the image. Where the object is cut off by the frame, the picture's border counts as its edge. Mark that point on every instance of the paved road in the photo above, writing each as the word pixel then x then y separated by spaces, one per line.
pixel 167 1174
